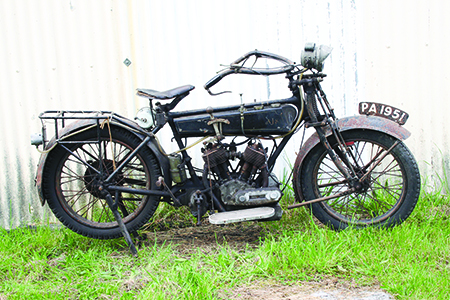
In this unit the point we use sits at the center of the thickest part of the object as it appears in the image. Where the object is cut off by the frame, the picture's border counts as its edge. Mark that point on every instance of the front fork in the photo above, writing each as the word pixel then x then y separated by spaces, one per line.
pixel 339 157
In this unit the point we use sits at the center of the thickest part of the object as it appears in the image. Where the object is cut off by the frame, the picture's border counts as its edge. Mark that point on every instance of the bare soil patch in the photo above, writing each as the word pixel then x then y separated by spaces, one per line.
pixel 330 288
pixel 188 239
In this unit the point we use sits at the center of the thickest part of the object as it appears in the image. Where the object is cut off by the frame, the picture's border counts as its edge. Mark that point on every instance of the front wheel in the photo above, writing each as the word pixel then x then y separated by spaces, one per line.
pixel 389 182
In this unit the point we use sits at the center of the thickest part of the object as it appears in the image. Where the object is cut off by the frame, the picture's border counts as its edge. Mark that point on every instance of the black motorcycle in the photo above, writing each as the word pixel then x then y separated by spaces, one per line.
pixel 103 175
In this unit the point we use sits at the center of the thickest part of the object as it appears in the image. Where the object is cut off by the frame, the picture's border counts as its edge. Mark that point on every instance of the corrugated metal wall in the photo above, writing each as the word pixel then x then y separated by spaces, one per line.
pixel 406 63
pixel 69 55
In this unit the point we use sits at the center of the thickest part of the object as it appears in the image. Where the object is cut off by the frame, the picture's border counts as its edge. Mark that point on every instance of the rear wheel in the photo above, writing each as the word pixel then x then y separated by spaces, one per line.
pixel 72 180
pixel 389 188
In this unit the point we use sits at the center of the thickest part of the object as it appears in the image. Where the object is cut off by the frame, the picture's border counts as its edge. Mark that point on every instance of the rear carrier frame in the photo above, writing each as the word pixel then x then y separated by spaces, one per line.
pixel 64 120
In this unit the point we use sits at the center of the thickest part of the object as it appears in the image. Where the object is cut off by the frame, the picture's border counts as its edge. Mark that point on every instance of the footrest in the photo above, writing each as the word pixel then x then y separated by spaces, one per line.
pixel 242 215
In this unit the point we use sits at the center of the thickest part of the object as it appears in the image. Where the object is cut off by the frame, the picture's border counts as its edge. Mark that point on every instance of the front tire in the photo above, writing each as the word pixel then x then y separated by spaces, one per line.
pixel 71 181
pixel 388 194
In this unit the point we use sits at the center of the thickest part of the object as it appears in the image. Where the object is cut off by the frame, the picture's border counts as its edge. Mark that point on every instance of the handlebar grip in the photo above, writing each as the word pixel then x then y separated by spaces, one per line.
pixel 213 81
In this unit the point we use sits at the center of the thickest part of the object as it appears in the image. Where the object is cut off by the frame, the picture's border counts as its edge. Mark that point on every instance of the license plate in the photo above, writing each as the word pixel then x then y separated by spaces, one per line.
pixel 383 110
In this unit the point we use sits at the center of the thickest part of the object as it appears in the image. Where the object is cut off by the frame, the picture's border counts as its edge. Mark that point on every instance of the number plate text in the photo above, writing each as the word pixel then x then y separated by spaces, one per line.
pixel 383 110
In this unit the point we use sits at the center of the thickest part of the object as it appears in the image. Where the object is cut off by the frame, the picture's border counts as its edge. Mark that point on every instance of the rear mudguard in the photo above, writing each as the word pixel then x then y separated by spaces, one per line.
pixel 75 126
pixel 345 124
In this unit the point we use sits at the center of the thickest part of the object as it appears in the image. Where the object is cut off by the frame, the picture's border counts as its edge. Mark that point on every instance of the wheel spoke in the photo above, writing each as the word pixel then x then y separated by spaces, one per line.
pixel 78 194
pixel 87 153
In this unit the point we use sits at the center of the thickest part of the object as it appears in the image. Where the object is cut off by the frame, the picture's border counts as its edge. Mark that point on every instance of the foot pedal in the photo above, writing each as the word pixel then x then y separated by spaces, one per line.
pixel 242 215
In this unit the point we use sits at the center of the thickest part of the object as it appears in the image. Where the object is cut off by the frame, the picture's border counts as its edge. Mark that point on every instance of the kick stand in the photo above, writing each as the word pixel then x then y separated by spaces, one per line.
pixel 113 206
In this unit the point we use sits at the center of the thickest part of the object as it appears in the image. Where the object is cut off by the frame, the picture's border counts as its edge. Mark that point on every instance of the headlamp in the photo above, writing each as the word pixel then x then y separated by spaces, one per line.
pixel 313 56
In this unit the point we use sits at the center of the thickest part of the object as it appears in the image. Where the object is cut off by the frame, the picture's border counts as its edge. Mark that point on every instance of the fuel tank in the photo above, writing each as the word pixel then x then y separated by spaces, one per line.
pixel 271 119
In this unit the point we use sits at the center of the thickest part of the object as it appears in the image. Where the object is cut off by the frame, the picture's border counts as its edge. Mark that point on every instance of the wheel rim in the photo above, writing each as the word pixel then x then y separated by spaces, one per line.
pixel 381 192
pixel 77 184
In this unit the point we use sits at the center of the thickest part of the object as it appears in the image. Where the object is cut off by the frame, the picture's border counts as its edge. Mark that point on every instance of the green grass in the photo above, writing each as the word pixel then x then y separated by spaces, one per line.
pixel 410 261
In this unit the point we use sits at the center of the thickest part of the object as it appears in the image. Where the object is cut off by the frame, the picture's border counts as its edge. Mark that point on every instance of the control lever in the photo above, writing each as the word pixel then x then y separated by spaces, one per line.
pixel 216 123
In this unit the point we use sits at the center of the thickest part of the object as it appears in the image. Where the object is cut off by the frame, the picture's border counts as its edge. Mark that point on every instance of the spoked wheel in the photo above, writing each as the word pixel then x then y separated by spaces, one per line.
pixel 385 194
pixel 73 183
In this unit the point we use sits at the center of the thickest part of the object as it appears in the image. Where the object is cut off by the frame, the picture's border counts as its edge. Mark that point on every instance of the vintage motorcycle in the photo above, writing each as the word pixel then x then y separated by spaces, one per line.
pixel 104 175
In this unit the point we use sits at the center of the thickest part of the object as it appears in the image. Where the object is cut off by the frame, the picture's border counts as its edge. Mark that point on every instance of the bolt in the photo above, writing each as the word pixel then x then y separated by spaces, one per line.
pixel 274 195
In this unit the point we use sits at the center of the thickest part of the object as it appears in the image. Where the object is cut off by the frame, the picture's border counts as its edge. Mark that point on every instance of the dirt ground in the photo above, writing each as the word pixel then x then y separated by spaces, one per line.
pixel 325 289
pixel 206 236
pixel 245 235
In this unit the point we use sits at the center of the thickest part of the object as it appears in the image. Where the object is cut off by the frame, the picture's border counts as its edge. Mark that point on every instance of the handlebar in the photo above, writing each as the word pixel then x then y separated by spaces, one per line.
pixel 238 68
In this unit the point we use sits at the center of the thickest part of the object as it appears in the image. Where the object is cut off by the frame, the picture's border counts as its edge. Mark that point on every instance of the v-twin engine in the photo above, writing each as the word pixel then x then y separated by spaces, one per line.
pixel 248 184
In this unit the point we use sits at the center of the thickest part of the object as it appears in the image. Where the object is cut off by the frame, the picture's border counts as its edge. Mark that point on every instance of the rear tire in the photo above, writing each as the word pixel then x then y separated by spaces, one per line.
pixel 389 193
pixel 71 189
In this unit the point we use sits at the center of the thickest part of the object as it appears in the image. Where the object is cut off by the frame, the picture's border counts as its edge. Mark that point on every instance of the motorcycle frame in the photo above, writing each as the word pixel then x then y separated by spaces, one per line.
pixel 312 88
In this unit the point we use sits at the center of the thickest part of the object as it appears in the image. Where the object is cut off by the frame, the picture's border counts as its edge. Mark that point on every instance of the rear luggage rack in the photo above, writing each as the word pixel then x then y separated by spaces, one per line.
pixel 64 118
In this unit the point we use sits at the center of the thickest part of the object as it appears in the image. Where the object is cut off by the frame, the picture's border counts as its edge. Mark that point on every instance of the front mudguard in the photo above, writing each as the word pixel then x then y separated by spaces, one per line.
pixel 79 125
pixel 345 124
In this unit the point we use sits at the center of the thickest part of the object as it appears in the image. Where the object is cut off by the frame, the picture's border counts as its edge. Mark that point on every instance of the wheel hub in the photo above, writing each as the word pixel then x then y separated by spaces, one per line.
pixel 94 182
pixel 358 185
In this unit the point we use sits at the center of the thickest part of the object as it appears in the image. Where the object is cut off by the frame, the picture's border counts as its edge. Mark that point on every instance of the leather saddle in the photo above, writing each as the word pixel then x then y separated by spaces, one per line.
pixel 167 95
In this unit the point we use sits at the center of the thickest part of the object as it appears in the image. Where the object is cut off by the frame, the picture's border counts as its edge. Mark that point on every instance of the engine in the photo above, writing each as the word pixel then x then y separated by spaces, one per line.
pixel 247 184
